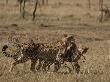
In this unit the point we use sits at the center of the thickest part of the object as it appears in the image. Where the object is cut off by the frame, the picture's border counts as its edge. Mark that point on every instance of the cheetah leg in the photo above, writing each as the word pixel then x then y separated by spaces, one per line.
pixel 46 65
pixel 57 66
pixel 39 65
pixel 33 63
pixel 72 65
pixel 22 60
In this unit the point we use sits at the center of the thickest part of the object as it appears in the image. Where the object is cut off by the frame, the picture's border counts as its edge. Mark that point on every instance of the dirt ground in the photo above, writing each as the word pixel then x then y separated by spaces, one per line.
pixel 72 17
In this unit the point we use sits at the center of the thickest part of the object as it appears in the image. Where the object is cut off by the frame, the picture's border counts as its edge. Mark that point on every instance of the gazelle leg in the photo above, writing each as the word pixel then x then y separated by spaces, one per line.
pixel 66 66
pixel 77 67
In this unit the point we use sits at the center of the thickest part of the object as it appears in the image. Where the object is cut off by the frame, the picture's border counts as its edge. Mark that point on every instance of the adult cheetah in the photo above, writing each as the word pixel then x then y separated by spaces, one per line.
pixel 41 51
pixel 59 48
pixel 28 51
pixel 72 55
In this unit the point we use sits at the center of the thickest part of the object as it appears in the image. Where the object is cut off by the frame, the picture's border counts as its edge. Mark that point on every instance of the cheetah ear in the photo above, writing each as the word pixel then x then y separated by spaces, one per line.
pixel 85 50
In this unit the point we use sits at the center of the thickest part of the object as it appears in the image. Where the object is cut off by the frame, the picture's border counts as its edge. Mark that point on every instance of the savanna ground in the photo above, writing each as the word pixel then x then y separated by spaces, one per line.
pixel 57 18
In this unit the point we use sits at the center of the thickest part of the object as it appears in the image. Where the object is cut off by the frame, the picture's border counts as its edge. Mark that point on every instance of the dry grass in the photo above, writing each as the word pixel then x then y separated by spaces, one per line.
pixel 69 16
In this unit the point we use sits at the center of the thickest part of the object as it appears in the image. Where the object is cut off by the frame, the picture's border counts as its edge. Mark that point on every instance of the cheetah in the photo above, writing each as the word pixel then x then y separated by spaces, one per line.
pixel 72 55
pixel 41 51
pixel 59 48
pixel 28 51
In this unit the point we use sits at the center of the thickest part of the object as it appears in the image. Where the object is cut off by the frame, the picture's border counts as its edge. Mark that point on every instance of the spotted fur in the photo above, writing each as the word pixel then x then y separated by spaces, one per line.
pixel 46 52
